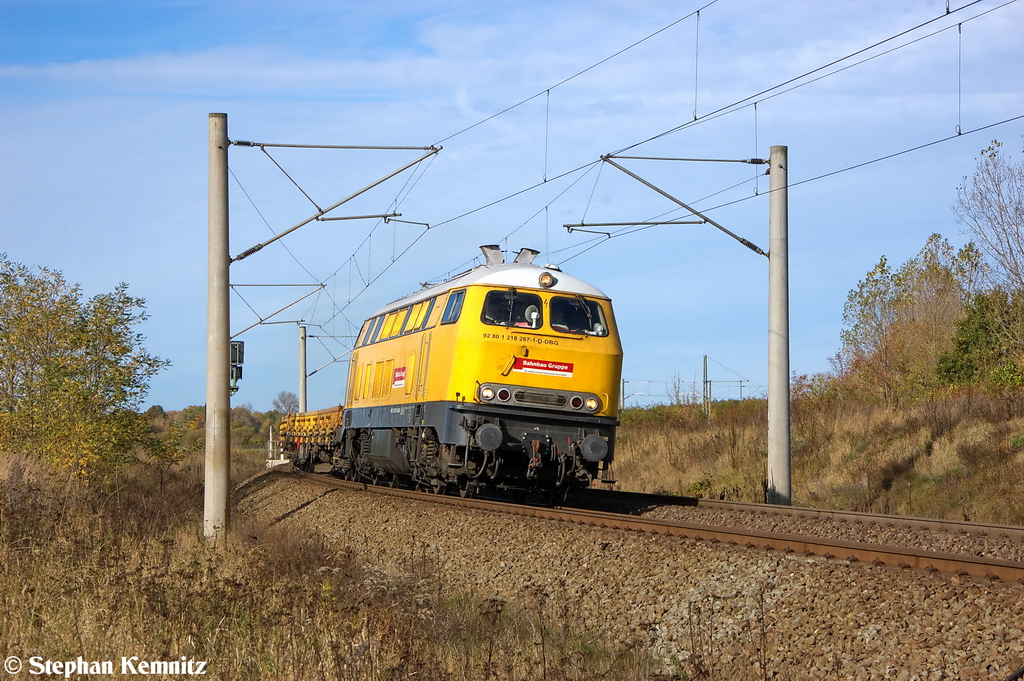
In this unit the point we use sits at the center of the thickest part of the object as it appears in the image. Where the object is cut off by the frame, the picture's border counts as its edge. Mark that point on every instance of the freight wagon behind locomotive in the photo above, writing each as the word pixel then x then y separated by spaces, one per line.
pixel 505 376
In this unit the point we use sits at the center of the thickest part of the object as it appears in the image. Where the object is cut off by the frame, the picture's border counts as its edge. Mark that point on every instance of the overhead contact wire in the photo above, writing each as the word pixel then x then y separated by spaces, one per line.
pixel 368 281
pixel 801 76
pixel 731 107
pixel 696 61
pixel 545 207
pixel 253 204
pixel 721 111
pixel 959 75
pixel 576 75
pixel 515 194
pixel 622 232
pixel 352 261
pixel 547 127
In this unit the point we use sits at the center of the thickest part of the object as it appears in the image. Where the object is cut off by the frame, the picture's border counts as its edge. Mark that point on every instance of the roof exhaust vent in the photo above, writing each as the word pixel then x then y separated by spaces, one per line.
pixel 526 256
pixel 493 254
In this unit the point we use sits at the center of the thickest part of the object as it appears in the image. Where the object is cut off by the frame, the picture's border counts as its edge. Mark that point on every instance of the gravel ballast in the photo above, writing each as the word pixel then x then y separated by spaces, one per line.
pixel 737 613
pixel 963 543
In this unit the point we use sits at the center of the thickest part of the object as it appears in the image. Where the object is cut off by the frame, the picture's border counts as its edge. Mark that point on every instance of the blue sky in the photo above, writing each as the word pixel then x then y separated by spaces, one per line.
pixel 103 133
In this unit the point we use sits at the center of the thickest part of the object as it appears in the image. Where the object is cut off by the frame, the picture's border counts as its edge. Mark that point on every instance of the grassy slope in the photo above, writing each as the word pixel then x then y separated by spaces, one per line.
pixel 119 568
pixel 957 457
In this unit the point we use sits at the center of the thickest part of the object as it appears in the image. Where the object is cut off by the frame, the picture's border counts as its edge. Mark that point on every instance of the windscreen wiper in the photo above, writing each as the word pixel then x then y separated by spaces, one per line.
pixel 586 309
pixel 511 306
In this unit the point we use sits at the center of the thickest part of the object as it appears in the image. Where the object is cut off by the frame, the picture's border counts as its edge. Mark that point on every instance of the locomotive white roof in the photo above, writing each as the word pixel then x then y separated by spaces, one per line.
pixel 515 275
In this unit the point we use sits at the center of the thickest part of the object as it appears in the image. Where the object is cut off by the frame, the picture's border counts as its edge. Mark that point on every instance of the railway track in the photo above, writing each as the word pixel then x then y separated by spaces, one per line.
pixel 811 546
pixel 590 497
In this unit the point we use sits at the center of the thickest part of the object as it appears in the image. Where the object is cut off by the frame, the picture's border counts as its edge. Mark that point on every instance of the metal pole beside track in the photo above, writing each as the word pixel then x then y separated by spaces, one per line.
pixel 779 480
pixel 218 338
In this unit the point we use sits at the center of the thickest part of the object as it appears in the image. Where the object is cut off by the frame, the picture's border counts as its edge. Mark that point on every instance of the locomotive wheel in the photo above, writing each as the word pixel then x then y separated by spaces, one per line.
pixel 467 490
pixel 439 486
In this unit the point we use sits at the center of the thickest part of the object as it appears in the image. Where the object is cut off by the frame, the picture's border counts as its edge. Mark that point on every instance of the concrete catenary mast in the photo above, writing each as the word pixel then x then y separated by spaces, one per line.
pixel 218 341
pixel 779 485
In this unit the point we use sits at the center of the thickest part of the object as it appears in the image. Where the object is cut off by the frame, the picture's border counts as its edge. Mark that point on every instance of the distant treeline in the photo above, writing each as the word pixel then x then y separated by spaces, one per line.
pixel 945 319
pixel 183 431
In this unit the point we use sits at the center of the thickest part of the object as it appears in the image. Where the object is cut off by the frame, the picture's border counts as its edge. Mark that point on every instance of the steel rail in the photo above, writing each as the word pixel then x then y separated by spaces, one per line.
pixel 954 526
pixel 966 526
pixel 905 558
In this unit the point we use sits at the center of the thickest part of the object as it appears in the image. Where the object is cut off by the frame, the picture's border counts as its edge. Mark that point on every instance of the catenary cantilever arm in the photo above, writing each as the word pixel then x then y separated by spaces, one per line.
pixel 748 244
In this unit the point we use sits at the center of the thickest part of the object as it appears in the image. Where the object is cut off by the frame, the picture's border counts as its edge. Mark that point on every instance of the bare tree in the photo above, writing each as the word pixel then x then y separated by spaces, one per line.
pixel 286 402
pixel 991 207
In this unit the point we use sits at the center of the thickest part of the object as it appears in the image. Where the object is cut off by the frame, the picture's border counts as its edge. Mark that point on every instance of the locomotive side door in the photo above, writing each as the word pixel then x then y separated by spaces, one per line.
pixel 422 366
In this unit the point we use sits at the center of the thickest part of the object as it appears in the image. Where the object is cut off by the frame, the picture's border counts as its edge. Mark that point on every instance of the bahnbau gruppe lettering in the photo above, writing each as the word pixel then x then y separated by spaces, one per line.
pixel 542 366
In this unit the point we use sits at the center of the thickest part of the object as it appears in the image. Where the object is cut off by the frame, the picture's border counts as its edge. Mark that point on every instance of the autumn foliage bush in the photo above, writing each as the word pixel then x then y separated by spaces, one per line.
pixel 73 371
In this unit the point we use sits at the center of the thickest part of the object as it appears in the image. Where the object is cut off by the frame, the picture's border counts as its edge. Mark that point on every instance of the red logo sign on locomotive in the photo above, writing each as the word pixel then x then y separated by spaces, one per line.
pixel 542 366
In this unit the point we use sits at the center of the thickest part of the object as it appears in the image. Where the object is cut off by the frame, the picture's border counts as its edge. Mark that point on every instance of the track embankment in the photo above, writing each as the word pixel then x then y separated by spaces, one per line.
pixel 733 612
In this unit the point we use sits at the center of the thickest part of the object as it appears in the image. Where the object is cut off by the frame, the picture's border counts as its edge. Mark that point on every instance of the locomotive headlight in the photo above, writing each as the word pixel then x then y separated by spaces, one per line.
pixel 487 392
pixel 546 280
pixel 592 404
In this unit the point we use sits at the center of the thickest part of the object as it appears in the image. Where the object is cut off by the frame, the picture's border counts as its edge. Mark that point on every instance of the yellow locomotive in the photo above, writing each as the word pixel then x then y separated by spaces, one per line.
pixel 505 376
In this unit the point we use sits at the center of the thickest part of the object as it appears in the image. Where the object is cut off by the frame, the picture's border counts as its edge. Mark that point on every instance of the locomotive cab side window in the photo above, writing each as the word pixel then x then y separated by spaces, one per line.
pixel 512 308
pixel 393 323
pixel 454 307
pixel 429 311
pixel 418 315
pixel 578 315
pixel 433 316
pixel 415 318
pixel 364 333
pixel 375 326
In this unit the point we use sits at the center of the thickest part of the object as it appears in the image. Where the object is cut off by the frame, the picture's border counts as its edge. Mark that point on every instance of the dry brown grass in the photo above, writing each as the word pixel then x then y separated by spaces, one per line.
pixel 955 456
pixel 119 568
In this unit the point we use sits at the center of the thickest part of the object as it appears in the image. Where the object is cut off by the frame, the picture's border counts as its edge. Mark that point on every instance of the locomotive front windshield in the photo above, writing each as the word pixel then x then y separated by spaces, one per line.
pixel 574 315
pixel 513 308
pixel 577 315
